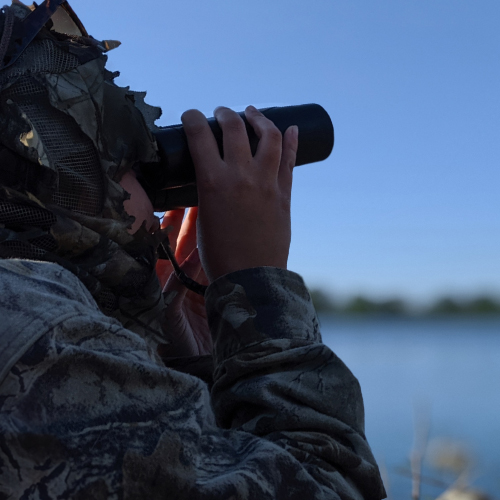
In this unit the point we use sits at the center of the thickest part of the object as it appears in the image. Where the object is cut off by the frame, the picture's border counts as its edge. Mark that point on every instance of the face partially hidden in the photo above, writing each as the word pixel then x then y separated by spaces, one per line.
pixel 138 205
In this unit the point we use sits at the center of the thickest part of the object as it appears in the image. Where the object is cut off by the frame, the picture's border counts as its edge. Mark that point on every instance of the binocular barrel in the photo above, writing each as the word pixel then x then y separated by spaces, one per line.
pixel 171 183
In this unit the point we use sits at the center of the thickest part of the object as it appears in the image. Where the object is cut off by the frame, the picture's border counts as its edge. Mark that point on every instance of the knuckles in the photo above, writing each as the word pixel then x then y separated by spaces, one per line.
pixel 241 186
pixel 229 120
pixel 209 185
pixel 267 127
pixel 246 186
pixel 273 133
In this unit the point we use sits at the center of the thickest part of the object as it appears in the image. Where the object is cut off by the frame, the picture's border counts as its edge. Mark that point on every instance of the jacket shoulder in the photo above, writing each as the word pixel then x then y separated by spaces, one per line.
pixel 35 297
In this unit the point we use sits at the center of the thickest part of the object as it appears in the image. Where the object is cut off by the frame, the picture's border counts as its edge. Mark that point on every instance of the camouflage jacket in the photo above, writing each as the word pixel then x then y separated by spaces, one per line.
pixel 87 412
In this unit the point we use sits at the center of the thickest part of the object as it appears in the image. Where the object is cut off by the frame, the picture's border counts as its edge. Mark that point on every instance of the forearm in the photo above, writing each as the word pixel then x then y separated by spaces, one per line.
pixel 275 378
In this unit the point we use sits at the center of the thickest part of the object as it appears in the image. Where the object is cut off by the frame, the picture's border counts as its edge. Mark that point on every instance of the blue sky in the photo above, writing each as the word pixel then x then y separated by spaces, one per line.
pixel 409 201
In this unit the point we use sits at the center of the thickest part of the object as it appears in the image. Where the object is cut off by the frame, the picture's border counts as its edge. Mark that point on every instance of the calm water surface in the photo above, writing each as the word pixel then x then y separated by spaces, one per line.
pixel 449 366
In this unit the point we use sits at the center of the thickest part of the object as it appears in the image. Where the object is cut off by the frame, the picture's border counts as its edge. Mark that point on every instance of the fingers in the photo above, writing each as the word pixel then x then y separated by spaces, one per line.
pixel 236 146
pixel 187 240
pixel 202 144
pixel 234 137
pixel 289 156
pixel 182 239
pixel 270 140
pixel 173 218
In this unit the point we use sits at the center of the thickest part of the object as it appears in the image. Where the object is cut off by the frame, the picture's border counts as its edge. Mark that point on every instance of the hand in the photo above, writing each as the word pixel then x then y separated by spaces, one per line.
pixel 244 201
pixel 185 319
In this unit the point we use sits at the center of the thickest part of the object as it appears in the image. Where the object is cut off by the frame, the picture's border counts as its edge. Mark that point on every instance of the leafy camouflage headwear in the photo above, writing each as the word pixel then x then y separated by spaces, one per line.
pixel 67 136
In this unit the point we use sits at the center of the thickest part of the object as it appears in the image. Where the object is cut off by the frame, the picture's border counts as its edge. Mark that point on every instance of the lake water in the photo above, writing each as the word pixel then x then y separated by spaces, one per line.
pixel 448 369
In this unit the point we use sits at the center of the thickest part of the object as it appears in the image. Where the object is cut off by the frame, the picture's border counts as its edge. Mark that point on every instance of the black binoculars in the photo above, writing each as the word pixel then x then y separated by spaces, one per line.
pixel 171 182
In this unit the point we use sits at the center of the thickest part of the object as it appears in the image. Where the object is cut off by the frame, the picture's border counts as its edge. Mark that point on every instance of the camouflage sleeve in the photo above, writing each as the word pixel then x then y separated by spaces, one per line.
pixel 275 378
pixel 87 412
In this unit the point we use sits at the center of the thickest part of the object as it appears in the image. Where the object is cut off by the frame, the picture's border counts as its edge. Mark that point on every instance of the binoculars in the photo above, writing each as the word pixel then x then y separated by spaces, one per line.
pixel 171 182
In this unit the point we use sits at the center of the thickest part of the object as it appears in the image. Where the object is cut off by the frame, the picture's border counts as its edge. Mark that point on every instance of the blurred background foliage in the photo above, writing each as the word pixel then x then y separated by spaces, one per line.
pixel 325 302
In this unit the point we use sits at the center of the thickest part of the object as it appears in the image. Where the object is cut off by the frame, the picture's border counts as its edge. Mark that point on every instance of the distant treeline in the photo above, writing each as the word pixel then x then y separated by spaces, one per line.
pixel 446 306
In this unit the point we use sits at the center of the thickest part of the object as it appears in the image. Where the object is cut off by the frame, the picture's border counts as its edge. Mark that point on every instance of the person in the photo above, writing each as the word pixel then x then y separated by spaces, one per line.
pixel 114 387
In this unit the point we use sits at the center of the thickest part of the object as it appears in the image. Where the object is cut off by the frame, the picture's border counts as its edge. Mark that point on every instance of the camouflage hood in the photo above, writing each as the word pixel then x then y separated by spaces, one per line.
pixel 68 133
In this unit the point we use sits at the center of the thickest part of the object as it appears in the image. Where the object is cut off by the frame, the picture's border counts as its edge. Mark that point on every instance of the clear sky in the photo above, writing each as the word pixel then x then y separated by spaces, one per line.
pixel 409 201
